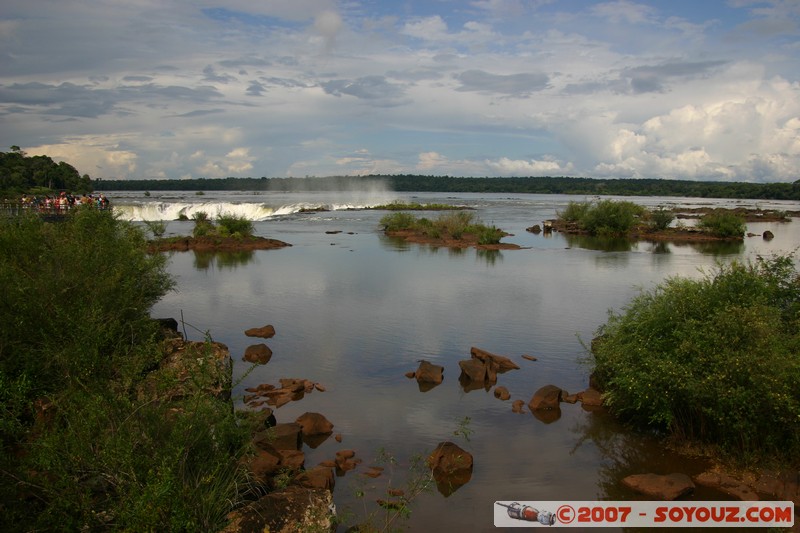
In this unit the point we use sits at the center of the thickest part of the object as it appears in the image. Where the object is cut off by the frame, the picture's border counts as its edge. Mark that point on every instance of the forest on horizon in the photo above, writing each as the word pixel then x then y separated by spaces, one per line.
pixel 23 174
pixel 423 183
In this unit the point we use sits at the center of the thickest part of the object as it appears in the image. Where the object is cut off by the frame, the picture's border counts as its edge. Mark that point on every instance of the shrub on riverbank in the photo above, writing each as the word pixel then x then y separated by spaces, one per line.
pixel 451 225
pixel 227 225
pixel 604 217
pixel 80 447
pixel 723 224
pixel 714 359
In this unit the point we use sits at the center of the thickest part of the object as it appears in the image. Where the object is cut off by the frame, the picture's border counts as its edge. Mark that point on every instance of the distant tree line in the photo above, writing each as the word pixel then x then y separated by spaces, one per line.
pixel 417 183
pixel 38 174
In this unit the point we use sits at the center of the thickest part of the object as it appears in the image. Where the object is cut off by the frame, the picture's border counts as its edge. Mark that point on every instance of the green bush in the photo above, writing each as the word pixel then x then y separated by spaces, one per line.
pixel 660 219
pixel 721 223
pixel 714 359
pixel 574 212
pixel 233 225
pixel 397 221
pixel 604 217
pixel 611 217
pixel 75 345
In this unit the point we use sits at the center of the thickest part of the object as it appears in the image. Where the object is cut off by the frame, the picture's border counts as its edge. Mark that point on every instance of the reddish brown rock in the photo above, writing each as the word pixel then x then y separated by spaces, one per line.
pixel 286 436
pixel 503 363
pixel 318 477
pixel 660 487
pixel 473 369
pixel 265 332
pixel 290 510
pixel 429 373
pixel 591 397
pixel 451 467
pixel 517 406
pixel 257 353
pixel 292 459
pixel 529 357
pixel 314 424
pixel 728 485
pixel 410 374
pixel 263 464
pixel 338 437
pixel 502 393
pixel 547 397
pixel 319 387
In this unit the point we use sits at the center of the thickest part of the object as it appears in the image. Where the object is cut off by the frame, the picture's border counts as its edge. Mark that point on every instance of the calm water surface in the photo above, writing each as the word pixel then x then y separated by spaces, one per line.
pixel 355 310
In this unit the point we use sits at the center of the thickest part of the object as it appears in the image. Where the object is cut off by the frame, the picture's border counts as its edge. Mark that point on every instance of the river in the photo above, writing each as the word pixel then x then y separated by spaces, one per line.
pixel 355 311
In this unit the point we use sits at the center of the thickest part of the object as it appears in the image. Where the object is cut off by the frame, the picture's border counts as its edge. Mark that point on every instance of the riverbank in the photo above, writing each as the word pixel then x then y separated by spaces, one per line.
pixel 214 243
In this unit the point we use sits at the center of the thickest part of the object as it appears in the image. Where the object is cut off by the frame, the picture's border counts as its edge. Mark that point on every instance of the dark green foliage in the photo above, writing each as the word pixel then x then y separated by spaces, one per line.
pixel 574 212
pixel 660 219
pixel 534 185
pixel 227 225
pixel 604 217
pixel 714 359
pixel 235 226
pixel 20 173
pixel 722 223
pixel 452 225
pixel 75 347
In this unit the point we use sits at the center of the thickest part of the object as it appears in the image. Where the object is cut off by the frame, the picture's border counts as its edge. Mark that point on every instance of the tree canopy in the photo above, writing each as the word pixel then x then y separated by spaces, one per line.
pixel 21 173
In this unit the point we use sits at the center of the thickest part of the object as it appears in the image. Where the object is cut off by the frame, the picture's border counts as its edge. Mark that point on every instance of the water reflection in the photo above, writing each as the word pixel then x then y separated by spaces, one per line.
pixel 719 248
pixel 603 244
pixel 203 260
pixel 625 453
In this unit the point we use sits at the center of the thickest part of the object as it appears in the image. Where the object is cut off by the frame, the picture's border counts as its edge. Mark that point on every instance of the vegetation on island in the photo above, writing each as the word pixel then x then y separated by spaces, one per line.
pixel 455 226
pixel 621 218
pixel 81 446
pixel 712 360
pixel 399 205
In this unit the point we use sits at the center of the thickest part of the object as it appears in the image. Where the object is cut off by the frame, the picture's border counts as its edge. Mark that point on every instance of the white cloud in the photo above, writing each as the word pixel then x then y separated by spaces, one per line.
pixel 271 88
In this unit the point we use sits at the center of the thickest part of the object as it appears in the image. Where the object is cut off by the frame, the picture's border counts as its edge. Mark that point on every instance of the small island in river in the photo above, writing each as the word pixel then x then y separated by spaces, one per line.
pixel 214 243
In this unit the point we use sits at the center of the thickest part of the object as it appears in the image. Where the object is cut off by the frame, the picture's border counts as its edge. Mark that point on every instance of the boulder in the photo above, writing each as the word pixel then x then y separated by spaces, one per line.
pixel 591 397
pixel 660 487
pixel 429 373
pixel 547 397
pixel 287 436
pixel 501 393
pixel 289 510
pixel 767 235
pixel 536 228
pixel 473 369
pixel 318 477
pixel 257 353
pixel 728 485
pixel 451 467
pixel 263 464
pixel 503 363
pixel 314 424
pixel 265 332
pixel 291 459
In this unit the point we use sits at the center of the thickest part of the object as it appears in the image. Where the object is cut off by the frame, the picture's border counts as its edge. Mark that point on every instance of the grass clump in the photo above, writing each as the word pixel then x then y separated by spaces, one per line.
pixel 714 360
pixel 721 223
pixel 81 446
pixel 451 225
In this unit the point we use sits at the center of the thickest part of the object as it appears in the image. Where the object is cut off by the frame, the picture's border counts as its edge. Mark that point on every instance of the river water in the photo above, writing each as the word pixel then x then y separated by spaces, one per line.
pixel 355 310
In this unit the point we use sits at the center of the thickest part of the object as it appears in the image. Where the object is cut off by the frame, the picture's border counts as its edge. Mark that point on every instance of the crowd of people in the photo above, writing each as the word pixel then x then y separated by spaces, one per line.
pixel 63 202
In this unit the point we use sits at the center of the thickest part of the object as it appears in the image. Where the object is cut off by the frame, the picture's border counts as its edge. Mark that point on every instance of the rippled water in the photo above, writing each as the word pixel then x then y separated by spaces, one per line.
pixel 355 310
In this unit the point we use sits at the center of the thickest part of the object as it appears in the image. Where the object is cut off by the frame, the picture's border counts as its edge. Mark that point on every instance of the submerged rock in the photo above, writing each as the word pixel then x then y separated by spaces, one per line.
pixel 266 332
pixel 661 487
pixel 258 353
pixel 451 467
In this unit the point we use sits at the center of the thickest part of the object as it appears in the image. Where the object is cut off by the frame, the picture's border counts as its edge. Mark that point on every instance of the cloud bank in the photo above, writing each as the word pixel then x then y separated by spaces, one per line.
pixel 175 89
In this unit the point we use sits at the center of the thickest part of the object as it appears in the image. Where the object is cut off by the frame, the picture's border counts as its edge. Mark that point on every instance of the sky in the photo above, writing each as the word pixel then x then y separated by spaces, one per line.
pixel 169 89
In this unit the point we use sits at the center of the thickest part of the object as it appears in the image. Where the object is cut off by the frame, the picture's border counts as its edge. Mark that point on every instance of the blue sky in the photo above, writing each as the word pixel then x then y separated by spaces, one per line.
pixel 703 90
